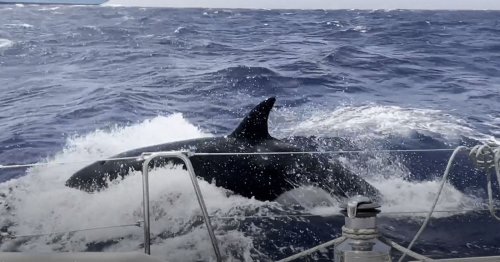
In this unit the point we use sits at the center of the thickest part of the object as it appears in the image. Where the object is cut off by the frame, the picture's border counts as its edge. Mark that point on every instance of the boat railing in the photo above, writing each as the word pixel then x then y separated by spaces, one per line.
pixel 183 156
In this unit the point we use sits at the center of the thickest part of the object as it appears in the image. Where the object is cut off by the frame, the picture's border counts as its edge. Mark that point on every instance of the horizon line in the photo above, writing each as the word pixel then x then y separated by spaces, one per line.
pixel 298 9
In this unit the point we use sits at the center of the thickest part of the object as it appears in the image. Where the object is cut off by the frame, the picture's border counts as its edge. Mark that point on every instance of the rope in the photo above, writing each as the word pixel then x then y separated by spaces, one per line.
pixel 487 157
pixel 483 156
pixel 231 154
pixel 356 234
pixel 404 250
pixel 9 235
pixel 490 193
pixel 441 186
pixel 312 250
pixel 359 234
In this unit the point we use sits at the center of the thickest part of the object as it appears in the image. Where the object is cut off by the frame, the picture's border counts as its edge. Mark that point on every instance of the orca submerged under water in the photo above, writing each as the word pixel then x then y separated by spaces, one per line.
pixel 264 177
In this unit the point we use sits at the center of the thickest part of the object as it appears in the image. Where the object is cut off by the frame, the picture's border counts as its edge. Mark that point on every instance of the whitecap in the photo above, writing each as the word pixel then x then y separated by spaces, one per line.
pixel 22 25
pixel 360 28
pixel 5 43
pixel 179 29
pixel 335 23
pixel 49 8
pixel 376 122
pixel 398 192
pixel 108 4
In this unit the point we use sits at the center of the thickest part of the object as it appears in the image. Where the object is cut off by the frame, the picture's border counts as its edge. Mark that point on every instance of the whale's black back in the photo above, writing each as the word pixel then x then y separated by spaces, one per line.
pixel 263 176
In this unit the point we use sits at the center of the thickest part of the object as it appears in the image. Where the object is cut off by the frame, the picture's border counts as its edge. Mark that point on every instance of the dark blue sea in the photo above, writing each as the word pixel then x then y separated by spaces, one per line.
pixel 79 84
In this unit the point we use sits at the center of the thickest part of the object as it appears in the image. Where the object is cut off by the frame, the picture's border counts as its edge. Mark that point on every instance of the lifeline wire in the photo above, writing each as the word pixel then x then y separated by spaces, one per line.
pixel 6 234
pixel 324 152
pixel 189 153
pixel 64 163
pixel 338 214
pixel 138 223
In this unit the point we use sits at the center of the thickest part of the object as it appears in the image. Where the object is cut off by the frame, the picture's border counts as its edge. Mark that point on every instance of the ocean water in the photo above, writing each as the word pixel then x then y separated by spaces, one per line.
pixel 83 83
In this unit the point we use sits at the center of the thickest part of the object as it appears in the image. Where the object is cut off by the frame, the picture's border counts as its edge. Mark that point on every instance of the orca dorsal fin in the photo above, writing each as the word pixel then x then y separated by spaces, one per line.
pixel 254 125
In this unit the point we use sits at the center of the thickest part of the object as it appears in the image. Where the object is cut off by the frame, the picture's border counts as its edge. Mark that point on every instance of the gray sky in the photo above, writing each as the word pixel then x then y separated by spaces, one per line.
pixel 318 4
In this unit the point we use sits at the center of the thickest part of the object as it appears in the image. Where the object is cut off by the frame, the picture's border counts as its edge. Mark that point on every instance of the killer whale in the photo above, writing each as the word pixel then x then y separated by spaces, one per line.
pixel 264 177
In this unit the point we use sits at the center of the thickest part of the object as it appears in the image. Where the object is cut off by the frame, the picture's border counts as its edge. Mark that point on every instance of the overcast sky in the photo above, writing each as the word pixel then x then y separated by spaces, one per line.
pixel 319 4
